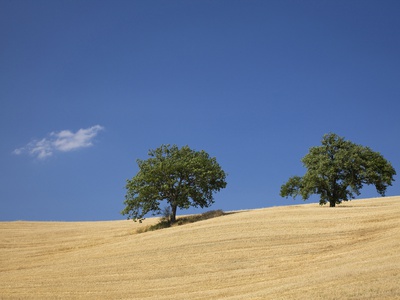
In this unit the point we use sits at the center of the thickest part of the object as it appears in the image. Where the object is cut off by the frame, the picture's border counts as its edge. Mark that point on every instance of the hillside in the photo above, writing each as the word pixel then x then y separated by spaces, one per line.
pixel 293 252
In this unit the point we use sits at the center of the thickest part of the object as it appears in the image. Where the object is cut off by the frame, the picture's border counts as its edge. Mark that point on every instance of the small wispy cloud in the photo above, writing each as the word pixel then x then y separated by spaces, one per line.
pixel 62 141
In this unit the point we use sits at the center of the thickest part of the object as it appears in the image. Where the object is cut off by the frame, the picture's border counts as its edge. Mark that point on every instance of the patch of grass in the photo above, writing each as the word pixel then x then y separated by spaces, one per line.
pixel 165 223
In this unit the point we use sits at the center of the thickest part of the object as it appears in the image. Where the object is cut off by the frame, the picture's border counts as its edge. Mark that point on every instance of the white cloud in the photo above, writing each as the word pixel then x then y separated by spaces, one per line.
pixel 63 141
pixel 66 140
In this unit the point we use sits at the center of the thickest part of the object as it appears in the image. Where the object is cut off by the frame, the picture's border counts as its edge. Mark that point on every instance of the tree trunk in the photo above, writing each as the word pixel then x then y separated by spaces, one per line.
pixel 173 214
pixel 332 203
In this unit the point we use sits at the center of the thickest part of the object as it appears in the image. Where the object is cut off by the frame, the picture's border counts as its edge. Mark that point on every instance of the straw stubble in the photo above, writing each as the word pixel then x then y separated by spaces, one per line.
pixel 293 252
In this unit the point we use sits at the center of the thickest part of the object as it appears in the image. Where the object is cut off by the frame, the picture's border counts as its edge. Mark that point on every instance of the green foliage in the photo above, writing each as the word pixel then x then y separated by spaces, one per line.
pixel 181 176
pixel 337 170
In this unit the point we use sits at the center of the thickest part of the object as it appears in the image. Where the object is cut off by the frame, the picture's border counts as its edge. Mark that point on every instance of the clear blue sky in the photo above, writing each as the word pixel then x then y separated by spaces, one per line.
pixel 87 87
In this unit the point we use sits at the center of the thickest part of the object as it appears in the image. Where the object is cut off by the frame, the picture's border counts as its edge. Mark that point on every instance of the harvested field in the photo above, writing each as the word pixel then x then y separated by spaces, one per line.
pixel 293 252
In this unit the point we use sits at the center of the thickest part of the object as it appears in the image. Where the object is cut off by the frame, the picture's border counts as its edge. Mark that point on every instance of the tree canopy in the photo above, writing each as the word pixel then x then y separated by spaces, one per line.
pixel 181 176
pixel 337 171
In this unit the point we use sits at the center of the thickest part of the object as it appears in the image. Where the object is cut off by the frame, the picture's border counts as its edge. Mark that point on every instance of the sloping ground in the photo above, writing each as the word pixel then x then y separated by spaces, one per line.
pixel 293 252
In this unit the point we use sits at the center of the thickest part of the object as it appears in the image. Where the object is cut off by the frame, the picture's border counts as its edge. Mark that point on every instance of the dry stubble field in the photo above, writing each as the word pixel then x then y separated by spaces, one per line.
pixel 293 252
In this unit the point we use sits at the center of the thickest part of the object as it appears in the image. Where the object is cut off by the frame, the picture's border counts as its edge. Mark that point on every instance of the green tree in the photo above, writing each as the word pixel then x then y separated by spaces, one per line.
pixel 337 170
pixel 182 177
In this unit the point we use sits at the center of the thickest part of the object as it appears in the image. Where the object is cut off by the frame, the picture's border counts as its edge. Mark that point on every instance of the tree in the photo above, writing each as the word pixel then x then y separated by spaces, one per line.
pixel 337 170
pixel 183 177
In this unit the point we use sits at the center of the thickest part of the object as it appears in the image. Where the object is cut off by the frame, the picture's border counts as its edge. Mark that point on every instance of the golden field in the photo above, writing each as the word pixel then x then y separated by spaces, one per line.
pixel 294 252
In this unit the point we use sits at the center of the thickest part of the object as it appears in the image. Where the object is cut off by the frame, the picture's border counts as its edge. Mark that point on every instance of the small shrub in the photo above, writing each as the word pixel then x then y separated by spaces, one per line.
pixel 166 214
pixel 160 225
pixel 212 214
pixel 166 223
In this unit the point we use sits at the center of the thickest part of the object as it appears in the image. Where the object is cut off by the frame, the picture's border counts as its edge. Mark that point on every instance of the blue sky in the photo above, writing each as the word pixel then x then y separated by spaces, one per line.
pixel 87 87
